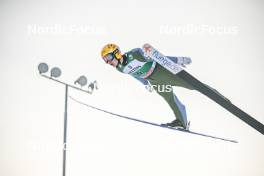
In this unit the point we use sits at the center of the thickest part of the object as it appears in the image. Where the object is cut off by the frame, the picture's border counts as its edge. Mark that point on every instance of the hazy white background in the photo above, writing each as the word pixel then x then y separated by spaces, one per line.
pixel 31 113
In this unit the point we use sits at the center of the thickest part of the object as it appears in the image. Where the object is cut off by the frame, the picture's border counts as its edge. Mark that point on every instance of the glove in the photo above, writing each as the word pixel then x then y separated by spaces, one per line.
pixel 183 61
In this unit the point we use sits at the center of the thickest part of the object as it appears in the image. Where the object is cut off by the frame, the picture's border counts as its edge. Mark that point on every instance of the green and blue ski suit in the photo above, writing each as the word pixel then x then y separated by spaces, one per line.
pixel 148 71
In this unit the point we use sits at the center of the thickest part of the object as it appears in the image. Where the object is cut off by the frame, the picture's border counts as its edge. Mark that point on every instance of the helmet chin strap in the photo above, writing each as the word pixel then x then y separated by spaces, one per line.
pixel 124 60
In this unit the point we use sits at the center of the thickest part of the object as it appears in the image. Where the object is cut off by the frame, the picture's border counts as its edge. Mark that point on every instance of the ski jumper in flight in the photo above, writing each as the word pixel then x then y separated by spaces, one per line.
pixel 138 65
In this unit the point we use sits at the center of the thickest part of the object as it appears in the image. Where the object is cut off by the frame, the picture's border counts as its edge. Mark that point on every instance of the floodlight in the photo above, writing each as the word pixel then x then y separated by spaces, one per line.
pixel 55 72
pixel 82 81
pixel 43 68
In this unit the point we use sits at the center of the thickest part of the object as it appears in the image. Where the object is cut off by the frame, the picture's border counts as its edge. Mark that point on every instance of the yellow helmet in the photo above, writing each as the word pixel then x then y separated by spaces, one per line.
pixel 111 51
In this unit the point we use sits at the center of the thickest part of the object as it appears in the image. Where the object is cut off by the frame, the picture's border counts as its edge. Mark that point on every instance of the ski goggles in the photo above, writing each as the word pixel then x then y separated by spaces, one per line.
pixel 114 55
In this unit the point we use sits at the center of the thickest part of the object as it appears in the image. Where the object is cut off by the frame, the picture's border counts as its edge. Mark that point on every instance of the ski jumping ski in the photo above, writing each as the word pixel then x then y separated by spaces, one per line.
pixel 155 124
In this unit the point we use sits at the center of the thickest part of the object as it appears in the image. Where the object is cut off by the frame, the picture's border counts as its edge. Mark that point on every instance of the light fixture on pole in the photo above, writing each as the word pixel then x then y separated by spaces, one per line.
pixel 82 81
pixel 93 85
pixel 55 72
pixel 43 68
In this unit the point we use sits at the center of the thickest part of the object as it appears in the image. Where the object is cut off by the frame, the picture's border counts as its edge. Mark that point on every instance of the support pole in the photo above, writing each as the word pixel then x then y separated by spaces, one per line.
pixel 65 131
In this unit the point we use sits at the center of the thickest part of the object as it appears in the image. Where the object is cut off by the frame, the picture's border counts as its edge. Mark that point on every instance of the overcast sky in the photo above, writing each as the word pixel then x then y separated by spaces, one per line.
pixel 223 38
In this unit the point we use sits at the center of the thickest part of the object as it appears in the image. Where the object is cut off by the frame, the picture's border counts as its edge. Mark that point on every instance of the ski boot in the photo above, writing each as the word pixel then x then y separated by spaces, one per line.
pixel 177 124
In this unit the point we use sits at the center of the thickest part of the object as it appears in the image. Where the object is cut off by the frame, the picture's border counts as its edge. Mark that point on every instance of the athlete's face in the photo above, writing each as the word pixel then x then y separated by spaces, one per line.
pixel 109 59
pixel 113 62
